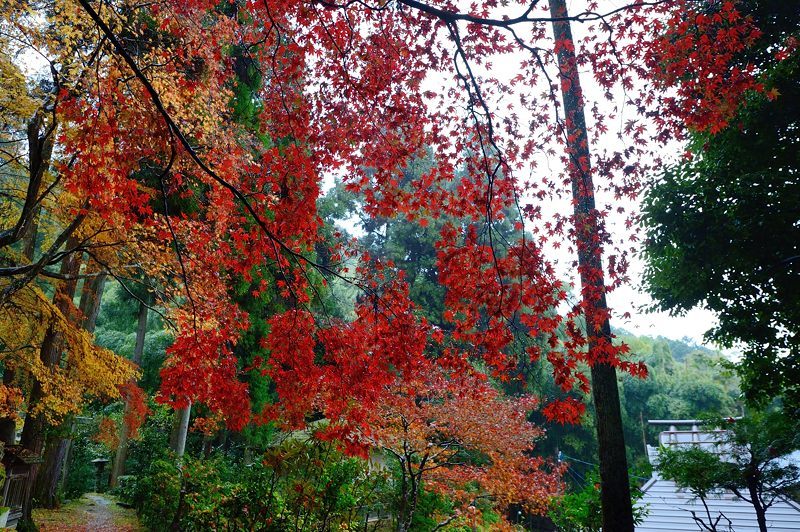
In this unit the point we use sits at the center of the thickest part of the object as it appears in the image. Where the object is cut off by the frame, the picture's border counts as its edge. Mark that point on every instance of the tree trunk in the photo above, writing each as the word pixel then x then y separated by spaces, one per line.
pixel 141 331
pixel 65 469
pixel 29 240
pixel 615 496
pixel 45 488
pixel 91 295
pixel 411 483
pixel 118 469
pixel 58 447
pixel 755 500
pixel 8 425
pixel 49 482
pixel 50 352
pixel 181 429
pixel 33 432
pixel 40 150
pixel 52 471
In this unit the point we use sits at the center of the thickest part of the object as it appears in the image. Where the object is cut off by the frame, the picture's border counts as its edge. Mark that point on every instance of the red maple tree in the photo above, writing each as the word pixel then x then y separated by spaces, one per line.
pixel 461 438
pixel 352 89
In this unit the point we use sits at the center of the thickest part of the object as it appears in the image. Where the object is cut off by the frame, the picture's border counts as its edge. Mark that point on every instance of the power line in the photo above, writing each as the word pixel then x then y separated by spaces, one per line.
pixel 562 456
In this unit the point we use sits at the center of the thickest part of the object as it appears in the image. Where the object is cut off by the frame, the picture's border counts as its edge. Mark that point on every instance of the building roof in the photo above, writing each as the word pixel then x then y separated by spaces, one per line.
pixel 17 453
pixel 669 508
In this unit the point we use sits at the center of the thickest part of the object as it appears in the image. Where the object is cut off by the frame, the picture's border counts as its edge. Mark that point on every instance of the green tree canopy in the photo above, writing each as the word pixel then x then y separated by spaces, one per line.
pixel 723 229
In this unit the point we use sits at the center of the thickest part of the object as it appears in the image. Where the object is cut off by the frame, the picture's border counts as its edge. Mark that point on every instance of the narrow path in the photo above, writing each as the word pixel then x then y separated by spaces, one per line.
pixel 92 512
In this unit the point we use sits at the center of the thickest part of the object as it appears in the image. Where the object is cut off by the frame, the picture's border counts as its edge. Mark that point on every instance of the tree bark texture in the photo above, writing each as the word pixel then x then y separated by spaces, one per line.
pixel 58 446
pixel 51 350
pixel 49 481
pixel 33 432
pixel 615 495
pixel 181 429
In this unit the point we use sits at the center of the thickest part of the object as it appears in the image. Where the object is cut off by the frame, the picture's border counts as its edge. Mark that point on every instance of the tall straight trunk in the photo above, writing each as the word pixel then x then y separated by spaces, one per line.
pixel 33 432
pixel 91 297
pixel 52 470
pixel 181 430
pixel 62 478
pixel 45 488
pixel 118 468
pixel 615 496
pixel 141 330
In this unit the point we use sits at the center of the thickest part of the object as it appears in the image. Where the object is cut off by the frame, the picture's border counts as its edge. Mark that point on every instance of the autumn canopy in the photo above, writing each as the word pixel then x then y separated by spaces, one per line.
pixel 184 145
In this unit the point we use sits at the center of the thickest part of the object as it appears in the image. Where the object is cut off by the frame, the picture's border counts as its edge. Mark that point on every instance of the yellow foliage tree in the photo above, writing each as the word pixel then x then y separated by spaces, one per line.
pixel 50 244
pixel 86 370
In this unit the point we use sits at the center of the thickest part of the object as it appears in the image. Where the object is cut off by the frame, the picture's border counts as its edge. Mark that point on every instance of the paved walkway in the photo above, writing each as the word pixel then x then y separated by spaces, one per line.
pixel 92 512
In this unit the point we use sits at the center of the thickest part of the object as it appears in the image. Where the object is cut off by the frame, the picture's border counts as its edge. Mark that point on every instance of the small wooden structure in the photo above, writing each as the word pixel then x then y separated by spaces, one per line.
pixel 18 463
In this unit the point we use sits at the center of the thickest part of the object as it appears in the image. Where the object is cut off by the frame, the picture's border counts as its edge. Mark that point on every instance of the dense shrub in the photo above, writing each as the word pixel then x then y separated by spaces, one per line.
pixel 305 485
pixel 153 441
pixel 156 494
pixel 580 510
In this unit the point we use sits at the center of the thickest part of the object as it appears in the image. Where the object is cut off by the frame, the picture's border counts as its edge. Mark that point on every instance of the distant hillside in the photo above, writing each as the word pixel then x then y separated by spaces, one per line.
pixel 685 380
pixel 678 348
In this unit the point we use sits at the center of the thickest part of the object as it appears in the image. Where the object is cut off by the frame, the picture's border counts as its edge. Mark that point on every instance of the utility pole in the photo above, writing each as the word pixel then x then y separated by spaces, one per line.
pixel 615 495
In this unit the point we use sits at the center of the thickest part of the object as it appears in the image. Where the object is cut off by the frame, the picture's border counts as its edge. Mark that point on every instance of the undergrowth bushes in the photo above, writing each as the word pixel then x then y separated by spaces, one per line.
pixel 305 485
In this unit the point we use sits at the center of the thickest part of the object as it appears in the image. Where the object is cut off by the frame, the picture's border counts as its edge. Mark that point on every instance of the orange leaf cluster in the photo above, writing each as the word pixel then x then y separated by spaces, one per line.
pixel 107 433
pixel 465 440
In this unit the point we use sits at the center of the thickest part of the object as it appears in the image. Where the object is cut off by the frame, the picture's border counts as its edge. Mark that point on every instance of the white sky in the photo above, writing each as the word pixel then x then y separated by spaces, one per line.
pixel 631 298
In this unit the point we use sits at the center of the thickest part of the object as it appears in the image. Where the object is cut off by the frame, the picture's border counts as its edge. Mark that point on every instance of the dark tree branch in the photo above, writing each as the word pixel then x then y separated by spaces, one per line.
pixel 190 150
